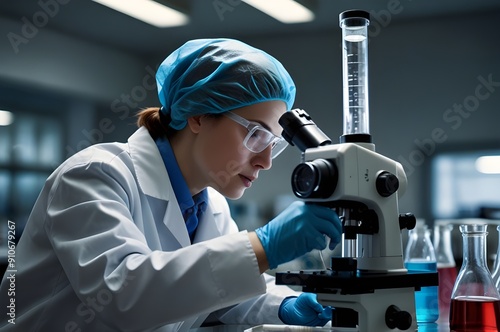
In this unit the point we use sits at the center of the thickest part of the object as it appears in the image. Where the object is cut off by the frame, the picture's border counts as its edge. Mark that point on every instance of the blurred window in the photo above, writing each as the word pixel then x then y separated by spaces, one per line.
pixel 461 188
pixel 30 149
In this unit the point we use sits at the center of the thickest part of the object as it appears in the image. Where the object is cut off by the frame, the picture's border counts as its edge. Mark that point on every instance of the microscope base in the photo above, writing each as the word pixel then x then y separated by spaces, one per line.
pixel 371 308
pixel 376 298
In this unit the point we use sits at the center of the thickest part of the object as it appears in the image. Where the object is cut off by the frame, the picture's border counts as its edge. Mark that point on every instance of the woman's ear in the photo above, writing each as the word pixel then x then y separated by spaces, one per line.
pixel 194 123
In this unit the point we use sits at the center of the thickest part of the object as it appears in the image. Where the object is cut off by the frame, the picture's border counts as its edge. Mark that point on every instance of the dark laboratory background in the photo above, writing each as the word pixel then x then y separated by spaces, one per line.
pixel 75 72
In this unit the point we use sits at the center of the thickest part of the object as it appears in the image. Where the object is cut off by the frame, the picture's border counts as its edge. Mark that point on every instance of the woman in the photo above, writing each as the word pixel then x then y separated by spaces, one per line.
pixel 138 236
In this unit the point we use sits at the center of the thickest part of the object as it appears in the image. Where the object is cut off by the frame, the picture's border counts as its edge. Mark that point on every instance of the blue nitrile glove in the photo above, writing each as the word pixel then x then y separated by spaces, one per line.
pixel 297 230
pixel 304 310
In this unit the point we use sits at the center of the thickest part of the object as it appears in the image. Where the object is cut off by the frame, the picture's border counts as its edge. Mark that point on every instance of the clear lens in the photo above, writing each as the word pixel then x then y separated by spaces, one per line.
pixel 259 138
pixel 279 147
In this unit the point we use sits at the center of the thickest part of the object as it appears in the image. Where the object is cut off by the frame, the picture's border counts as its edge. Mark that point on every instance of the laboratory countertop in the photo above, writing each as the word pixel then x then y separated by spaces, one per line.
pixel 441 327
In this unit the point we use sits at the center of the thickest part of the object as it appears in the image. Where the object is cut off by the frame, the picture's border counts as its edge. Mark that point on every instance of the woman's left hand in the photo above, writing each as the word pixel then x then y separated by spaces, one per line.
pixel 304 310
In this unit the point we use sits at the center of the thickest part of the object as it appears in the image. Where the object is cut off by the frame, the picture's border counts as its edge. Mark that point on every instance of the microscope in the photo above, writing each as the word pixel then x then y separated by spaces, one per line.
pixel 369 286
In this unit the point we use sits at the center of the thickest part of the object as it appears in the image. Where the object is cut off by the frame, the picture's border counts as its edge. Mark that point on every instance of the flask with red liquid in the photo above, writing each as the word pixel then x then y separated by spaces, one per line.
pixel 475 301
pixel 446 267
pixel 496 265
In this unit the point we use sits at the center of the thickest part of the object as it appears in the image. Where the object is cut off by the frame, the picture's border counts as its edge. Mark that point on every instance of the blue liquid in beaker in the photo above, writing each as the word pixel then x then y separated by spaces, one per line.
pixel 426 300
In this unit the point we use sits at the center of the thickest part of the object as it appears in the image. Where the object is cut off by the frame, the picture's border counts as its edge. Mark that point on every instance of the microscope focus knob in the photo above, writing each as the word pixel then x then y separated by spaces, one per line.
pixel 386 184
pixel 397 318
pixel 407 221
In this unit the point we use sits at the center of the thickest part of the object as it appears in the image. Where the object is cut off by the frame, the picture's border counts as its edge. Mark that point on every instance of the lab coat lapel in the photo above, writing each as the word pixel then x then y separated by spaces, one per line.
pixel 149 168
pixel 167 214
pixel 153 179
pixel 175 223
pixel 208 226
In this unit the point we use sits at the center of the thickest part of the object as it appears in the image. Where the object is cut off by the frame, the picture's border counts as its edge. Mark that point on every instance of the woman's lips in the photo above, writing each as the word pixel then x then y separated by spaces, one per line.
pixel 246 181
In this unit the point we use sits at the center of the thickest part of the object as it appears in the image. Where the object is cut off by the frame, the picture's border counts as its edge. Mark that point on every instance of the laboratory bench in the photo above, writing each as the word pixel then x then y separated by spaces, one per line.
pixel 438 327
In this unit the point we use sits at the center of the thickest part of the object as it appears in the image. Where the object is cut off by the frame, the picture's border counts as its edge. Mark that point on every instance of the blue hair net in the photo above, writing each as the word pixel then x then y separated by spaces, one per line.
pixel 218 75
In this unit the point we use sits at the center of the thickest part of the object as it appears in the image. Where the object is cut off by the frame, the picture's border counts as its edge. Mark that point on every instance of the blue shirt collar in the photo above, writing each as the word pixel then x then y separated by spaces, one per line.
pixel 179 184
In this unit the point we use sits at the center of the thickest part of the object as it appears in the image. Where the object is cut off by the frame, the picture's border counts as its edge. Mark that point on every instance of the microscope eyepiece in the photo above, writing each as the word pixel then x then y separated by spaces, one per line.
pixel 301 131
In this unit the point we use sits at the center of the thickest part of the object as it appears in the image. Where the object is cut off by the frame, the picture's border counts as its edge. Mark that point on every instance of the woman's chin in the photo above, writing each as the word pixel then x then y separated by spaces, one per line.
pixel 233 194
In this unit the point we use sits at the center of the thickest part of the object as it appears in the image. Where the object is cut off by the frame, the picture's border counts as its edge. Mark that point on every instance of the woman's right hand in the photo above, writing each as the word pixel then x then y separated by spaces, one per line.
pixel 296 231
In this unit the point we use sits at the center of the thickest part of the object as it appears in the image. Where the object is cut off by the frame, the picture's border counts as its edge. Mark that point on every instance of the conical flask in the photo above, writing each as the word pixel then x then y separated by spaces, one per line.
pixel 420 256
pixel 496 265
pixel 475 302
pixel 446 267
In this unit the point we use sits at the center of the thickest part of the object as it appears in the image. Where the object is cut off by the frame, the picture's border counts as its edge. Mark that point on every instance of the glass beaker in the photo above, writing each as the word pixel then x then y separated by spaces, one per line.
pixel 446 267
pixel 475 302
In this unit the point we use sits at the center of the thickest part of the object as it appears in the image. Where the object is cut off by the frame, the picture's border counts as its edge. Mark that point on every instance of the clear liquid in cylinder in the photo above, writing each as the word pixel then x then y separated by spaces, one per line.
pixel 355 70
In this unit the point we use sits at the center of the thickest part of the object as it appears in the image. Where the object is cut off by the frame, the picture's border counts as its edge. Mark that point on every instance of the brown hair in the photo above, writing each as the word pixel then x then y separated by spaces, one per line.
pixel 155 122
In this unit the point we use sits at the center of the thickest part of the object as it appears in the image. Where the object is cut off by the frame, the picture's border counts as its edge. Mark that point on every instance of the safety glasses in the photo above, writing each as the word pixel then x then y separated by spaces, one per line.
pixel 258 137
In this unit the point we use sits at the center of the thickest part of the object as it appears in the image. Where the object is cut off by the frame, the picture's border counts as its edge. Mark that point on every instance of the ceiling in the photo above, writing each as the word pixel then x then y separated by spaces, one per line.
pixel 96 23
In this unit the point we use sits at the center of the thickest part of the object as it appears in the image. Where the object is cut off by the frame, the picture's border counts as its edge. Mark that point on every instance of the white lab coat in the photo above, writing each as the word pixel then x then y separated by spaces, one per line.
pixel 106 249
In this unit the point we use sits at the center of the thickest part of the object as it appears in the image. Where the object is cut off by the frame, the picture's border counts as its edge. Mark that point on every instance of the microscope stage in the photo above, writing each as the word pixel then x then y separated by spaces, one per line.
pixel 332 282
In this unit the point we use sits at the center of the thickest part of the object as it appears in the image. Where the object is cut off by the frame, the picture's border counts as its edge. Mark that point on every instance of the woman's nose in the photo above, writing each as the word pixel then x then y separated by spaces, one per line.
pixel 264 158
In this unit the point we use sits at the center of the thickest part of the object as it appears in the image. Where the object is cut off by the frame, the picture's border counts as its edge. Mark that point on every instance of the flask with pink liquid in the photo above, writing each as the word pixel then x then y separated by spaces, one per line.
pixel 446 267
